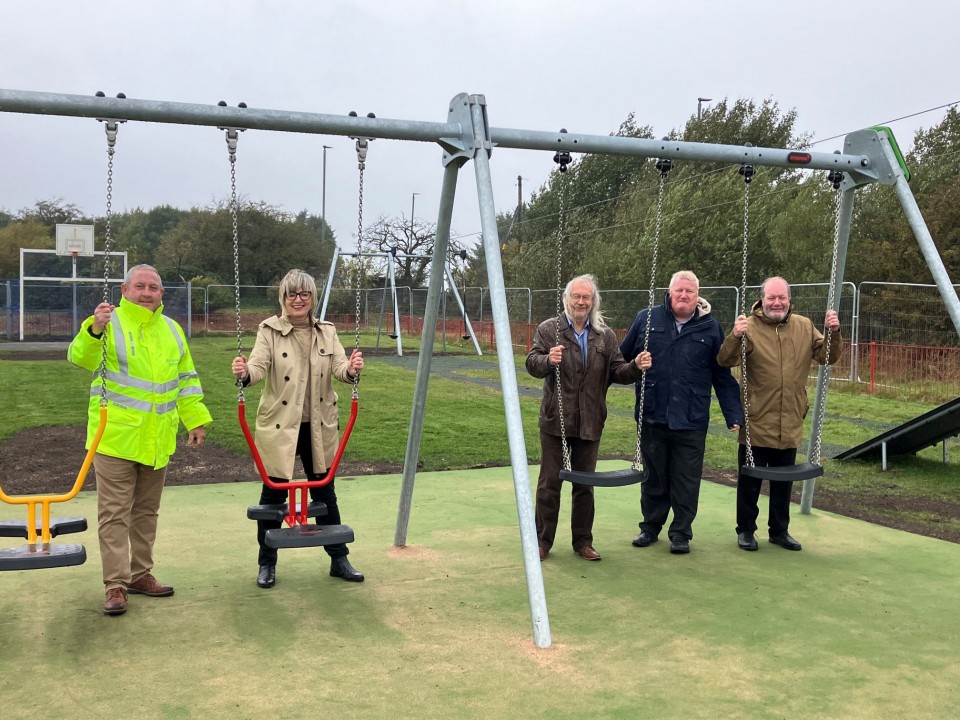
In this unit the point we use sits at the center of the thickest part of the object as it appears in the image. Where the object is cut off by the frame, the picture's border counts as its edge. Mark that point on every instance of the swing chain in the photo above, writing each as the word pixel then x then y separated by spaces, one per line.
pixel 232 136
pixel 834 180
pixel 562 159
pixel 363 145
pixel 664 165
pixel 747 172
pixel 111 127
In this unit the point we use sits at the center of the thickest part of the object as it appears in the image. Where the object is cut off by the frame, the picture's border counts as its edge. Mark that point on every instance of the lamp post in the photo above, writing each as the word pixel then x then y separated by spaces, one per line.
pixel 323 201
pixel 700 102
pixel 413 204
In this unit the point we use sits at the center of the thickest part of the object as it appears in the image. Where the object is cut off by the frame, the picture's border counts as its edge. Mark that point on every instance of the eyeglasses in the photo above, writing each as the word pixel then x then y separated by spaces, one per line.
pixel 577 297
pixel 302 295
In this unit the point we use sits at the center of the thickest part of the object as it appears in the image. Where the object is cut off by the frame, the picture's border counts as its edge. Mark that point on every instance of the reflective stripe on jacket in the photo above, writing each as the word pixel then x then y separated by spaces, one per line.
pixel 151 384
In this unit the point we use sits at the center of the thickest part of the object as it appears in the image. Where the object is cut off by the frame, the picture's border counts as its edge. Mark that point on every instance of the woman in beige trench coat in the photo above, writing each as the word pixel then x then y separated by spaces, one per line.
pixel 298 357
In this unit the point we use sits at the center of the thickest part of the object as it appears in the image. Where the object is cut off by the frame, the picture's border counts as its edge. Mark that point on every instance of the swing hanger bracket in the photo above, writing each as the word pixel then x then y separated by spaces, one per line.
pixel 562 157
pixel 835 178
pixel 363 143
pixel 664 165
pixel 112 125
pixel 232 133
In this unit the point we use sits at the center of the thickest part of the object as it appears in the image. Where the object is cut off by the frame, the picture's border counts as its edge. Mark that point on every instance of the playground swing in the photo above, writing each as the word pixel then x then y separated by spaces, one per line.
pixel 295 514
pixel 812 468
pixel 636 473
pixel 39 552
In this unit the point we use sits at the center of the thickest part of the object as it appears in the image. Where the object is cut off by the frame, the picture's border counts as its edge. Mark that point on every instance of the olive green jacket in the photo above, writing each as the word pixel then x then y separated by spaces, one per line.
pixel 779 357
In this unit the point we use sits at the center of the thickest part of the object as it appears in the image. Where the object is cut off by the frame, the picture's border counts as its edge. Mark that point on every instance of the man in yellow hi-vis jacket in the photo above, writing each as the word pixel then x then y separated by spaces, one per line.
pixel 151 385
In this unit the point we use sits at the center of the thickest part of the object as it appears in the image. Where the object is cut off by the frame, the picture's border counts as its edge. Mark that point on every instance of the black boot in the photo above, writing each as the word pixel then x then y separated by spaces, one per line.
pixel 267 576
pixel 340 567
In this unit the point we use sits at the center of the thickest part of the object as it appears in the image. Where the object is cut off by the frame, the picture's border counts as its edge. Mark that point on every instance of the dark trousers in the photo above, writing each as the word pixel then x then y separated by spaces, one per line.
pixel 674 463
pixel 325 494
pixel 583 456
pixel 748 490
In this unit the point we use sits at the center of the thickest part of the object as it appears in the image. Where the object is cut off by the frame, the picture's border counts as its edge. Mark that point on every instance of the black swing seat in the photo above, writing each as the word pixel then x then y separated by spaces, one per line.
pixel 279 512
pixel 787 473
pixel 40 556
pixel 607 478
pixel 58 526
pixel 309 536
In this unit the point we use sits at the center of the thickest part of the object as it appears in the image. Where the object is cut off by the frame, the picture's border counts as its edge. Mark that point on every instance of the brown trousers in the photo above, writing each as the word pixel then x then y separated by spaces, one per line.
pixel 583 456
pixel 128 503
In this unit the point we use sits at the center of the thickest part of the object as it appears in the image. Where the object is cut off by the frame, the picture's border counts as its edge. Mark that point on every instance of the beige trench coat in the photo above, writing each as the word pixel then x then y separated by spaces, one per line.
pixel 277 358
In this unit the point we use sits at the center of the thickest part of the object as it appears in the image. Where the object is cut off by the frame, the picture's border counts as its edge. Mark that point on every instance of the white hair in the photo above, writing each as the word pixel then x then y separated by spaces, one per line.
pixel 596 317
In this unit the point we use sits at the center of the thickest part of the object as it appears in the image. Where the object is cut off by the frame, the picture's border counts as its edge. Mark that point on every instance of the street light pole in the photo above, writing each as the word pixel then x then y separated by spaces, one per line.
pixel 323 201
pixel 413 204
pixel 700 101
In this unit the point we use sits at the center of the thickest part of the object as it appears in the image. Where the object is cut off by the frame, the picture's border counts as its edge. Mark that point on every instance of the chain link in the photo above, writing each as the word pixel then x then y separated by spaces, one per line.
pixel 743 311
pixel 232 136
pixel 110 127
pixel 362 146
pixel 561 229
pixel 664 166
pixel 828 333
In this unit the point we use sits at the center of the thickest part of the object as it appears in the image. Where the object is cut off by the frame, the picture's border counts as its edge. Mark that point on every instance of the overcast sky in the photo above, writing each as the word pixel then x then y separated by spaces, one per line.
pixel 542 65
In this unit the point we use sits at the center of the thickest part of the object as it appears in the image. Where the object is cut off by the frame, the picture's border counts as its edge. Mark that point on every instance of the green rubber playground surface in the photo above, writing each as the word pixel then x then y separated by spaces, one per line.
pixel 861 624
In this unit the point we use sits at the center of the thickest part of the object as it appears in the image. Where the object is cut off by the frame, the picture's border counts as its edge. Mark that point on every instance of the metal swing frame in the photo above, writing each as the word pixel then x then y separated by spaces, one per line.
pixel 465 135
pixel 391 257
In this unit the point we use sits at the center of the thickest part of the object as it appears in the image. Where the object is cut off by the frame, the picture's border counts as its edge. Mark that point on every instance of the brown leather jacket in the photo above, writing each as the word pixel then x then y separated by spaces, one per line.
pixel 584 388
pixel 779 356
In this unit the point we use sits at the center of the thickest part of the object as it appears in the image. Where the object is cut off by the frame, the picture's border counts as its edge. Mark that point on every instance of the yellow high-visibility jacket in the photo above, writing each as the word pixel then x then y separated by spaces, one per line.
pixel 151 384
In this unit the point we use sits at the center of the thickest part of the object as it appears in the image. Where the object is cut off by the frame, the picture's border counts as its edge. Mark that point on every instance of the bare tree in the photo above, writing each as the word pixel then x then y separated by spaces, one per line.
pixel 405 239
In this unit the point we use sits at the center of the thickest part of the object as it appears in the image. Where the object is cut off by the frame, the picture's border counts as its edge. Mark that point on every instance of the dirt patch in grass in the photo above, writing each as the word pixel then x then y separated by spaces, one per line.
pixel 47 459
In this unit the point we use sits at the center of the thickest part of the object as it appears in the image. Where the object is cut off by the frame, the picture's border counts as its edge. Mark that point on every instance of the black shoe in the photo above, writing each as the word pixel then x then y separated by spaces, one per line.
pixel 747 541
pixel 786 542
pixel 340 567
pixel 267 577
pixel 644 539
pixel 679 546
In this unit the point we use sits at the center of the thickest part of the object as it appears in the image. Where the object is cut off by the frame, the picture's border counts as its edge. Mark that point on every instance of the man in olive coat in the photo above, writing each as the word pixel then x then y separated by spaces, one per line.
pixel 780 349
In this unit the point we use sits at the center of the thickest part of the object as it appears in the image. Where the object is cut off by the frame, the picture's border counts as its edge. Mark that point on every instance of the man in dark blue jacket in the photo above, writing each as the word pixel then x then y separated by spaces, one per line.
pixel 684 340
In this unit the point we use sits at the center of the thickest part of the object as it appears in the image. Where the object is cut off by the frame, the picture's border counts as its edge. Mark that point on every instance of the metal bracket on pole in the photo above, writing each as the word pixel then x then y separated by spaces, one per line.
pixel 463 148
pixel 878 169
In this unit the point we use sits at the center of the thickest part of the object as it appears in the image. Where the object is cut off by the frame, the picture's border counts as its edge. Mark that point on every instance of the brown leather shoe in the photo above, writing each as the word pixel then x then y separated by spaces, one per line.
pixel 148 585
pixel 588 553
pixel 543 553
pixel 116 602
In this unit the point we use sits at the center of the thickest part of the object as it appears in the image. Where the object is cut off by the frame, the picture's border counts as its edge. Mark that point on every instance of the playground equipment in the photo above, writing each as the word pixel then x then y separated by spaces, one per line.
pixel 298 533
pixel 391 282
pixel 812 468
pixel 39 552
pixel 869 156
